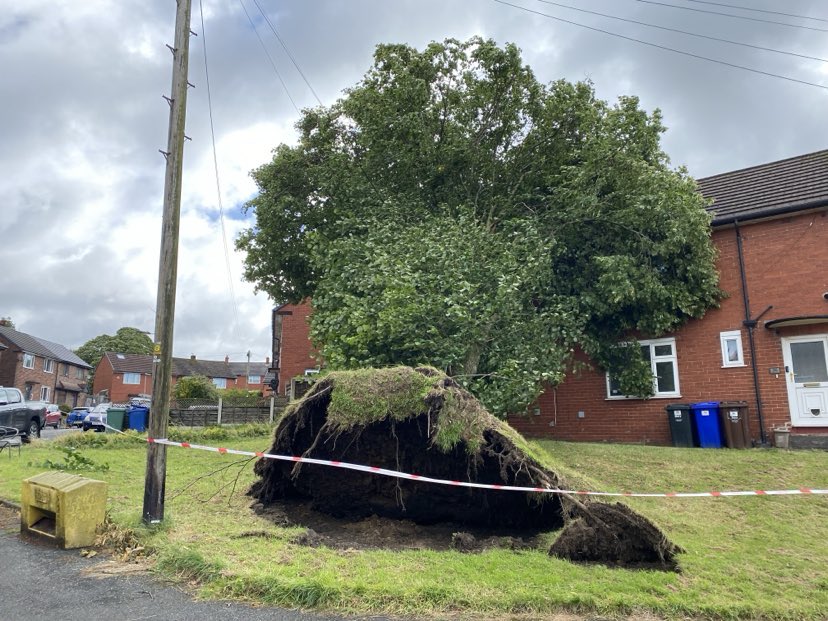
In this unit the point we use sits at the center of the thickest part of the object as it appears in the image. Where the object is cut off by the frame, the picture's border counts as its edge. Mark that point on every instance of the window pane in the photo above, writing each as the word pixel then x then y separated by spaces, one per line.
pixel 645 352
pixel 732 347
pixel 614 388
pixel 663 350
pixel 809 362
pixel 665 380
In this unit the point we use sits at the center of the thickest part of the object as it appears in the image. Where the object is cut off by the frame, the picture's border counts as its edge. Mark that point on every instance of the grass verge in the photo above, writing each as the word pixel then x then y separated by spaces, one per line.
pixel 746 558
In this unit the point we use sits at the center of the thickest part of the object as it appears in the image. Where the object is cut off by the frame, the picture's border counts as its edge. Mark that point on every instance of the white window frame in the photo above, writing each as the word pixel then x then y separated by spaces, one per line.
pixel 254 379
pixel 31 359
pixel 732 335
pixel 135 376
pixel 44 393
pixel 220 382
pixel 48 366
pixel 653 343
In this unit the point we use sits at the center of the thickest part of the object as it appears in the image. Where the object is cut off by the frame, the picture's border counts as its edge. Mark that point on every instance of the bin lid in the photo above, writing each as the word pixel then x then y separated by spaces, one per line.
pixel 733 404
pixel 677 406
pixel 705 405
pixel 110 410
pixel 61 481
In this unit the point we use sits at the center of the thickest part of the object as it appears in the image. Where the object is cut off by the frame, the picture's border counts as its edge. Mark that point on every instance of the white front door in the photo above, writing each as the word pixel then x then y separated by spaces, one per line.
pixel 806 366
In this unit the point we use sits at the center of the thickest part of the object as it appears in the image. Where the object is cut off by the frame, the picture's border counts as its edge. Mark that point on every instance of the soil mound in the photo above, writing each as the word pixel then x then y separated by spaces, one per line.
pixel 613 534
pixel 422 422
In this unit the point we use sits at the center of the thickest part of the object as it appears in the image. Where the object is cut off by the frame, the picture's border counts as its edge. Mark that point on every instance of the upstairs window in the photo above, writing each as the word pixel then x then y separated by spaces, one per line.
pixel 732 354
pixel 661 354
pixel 28 361
pixel 132 378
pixel 48 366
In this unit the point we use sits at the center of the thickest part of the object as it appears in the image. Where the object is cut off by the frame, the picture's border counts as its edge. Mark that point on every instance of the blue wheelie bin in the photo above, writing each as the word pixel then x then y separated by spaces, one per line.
pixel 138 417
pixel 706 415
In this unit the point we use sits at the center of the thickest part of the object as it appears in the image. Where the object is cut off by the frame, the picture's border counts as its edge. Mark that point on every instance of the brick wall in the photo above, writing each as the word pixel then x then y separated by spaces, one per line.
pixel 8 363
pixel 12 373
pixel 297 353
pixel 107 379
pixel 785 263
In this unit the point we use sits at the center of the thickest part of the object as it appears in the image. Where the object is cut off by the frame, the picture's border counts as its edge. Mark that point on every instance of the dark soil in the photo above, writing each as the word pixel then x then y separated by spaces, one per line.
pixel 376 532
pixel 614 534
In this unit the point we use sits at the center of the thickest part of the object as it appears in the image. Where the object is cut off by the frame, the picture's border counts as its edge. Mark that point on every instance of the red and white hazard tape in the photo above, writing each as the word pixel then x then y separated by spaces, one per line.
pixel 509 488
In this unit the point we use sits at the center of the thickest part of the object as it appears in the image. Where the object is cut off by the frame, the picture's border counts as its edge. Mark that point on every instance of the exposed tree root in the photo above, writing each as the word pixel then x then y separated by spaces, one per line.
pixel 439 430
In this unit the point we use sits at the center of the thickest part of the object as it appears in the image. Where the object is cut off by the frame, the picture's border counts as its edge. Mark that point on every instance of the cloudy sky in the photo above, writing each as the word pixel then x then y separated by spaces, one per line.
pixel 82 119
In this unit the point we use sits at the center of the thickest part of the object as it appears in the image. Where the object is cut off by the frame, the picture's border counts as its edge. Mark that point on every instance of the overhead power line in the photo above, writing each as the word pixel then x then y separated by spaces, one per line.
pixel 287 50
pixel 215 166
pixel 733 15
pixel 270 58
pixel 750 8
pixel 664 47
pixel 685 32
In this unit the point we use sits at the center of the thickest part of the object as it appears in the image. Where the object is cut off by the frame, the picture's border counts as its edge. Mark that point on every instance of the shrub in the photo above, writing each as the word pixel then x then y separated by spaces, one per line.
pixel 195 387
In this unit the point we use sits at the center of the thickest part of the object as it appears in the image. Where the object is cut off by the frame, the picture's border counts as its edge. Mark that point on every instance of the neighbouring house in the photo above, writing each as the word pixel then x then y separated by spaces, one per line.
pixel 42 370
pixel 767 344
pixel 293 354
pixel 124 376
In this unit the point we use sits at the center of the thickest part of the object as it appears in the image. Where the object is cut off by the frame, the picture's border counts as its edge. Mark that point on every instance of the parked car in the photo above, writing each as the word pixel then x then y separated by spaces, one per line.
pixel 76 416
pixel 25 416
pixel 53 416
pixel 96 419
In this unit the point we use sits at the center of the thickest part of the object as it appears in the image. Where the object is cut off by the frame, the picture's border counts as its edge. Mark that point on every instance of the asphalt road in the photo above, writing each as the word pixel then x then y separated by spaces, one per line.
pixel 42 583
pixel 47 433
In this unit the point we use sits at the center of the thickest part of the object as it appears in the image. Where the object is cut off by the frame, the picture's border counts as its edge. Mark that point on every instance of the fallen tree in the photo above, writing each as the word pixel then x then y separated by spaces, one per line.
pixel 422 422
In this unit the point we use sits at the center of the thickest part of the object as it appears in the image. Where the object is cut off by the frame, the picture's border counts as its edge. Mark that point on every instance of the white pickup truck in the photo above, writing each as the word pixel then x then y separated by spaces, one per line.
pixel 28 417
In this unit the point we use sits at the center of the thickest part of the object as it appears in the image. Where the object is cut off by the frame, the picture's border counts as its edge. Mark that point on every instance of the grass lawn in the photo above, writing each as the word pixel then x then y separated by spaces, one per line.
pixel 746 557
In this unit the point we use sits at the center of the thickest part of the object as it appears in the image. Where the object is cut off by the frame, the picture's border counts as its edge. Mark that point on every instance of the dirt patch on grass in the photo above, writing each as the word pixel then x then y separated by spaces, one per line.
pixel 9 519
pixel 375 532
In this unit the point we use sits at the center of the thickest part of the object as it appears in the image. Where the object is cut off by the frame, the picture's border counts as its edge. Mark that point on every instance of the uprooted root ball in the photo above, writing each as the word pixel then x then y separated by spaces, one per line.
pixel 417 421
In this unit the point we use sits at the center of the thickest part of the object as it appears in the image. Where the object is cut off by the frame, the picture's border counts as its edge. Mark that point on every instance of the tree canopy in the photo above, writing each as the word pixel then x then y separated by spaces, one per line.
pixel 125 341
pixel 451 210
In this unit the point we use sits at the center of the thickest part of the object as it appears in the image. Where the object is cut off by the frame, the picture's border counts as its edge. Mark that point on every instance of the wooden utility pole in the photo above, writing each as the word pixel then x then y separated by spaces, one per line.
pixel 156 473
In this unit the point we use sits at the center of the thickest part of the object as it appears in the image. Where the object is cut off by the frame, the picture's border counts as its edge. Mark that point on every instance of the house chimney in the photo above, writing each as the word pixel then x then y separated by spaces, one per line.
pixel 267 361
pixel 226 359
pixel 192 356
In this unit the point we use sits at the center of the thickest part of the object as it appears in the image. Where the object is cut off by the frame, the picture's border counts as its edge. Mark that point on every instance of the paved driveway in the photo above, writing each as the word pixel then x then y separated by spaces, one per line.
pixel 41 583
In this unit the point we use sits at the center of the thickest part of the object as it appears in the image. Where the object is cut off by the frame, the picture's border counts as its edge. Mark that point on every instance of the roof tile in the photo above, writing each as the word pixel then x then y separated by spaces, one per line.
pixel 749 193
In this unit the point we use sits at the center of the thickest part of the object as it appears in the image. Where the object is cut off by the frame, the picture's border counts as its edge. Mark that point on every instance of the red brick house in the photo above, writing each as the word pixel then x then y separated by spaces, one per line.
pixel 293 354
pixel 42 370
pixel 124 376
pixel 767 344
